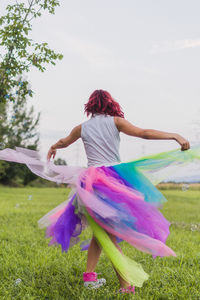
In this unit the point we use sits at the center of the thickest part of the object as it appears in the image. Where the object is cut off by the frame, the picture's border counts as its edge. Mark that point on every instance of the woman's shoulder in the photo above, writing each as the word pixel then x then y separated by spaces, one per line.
pixel 118 121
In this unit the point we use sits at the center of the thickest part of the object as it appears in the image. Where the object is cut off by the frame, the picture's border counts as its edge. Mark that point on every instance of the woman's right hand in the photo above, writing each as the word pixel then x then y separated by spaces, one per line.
pixel 185 145
pixel 51 152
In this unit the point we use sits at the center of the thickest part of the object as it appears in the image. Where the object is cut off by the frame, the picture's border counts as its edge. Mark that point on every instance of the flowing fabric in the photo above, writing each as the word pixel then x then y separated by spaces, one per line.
pixel 120 199
pixel 131 271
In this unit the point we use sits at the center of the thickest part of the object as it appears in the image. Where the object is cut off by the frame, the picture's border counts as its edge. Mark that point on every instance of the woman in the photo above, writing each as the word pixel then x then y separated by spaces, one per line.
pixel 117 200
pixel 100 136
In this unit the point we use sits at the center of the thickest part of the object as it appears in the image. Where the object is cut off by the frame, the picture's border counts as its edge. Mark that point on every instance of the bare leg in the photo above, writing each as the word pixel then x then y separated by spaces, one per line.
pixel 123 283
pixel 94 252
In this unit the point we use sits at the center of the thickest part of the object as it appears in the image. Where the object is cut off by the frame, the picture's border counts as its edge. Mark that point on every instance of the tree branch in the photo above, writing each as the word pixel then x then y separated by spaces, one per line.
pixel 36 13
pixel 10 51
pixel 30 5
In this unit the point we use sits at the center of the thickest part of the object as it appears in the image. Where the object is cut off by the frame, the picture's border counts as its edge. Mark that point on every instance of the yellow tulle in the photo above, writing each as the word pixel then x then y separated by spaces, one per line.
pixel 128 269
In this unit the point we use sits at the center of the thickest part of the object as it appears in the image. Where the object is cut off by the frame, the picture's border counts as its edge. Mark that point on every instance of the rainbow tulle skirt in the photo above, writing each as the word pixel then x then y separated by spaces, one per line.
pixel 120 199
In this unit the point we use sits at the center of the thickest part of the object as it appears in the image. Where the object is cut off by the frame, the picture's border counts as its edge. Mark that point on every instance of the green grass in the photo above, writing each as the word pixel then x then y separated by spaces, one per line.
pixel 47 273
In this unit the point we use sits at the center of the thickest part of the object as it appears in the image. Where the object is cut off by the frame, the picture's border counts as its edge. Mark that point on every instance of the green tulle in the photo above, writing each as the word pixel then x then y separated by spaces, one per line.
pixel 128 269
pixel 160 166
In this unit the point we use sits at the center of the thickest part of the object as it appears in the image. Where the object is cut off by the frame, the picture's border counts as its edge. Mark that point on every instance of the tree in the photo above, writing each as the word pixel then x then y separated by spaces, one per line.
pixel 60 161
pixel 22 124
pixel 18 125
pixel 3 124
pixel 20 51
pixel 19 129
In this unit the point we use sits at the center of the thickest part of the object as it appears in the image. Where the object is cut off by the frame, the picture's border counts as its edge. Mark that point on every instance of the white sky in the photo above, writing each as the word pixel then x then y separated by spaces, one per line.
pixel 145 53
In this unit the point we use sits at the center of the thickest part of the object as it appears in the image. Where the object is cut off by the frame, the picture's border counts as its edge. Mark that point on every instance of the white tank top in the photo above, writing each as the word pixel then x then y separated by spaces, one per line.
pixel 101 140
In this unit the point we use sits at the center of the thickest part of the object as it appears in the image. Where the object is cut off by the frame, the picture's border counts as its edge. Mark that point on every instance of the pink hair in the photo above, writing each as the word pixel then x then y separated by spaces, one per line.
pixel 101 102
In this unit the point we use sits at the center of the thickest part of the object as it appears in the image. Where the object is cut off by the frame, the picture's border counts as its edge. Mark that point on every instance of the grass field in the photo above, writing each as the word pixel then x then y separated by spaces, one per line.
pixel 29 269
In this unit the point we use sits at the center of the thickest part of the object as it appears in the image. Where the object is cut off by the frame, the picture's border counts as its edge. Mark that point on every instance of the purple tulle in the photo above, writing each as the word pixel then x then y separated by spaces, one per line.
pixel 66 227
pixel 122 211
pixel 119 198
pixel 139 215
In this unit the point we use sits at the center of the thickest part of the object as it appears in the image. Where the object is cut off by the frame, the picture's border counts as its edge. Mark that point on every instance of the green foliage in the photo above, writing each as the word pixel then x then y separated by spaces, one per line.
pixel 47 273
pixel 18 125
pixel 60 161
pixel 20 51
pixel 18 129
pixel 3 124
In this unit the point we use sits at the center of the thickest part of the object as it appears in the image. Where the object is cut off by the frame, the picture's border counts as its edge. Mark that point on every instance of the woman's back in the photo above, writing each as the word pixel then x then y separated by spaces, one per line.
pixel 101 140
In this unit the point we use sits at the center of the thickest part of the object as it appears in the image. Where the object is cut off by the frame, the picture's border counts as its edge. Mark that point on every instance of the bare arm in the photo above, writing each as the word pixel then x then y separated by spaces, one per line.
pixel 74 135
pixel 129 129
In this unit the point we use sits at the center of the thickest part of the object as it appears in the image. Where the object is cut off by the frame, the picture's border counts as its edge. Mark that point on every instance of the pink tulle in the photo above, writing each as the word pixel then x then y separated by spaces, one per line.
pixel 110 198
pixel 104 217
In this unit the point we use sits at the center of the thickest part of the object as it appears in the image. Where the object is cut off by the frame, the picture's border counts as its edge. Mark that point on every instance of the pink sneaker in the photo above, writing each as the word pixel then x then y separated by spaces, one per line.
pixel 128 290
pixel 91 281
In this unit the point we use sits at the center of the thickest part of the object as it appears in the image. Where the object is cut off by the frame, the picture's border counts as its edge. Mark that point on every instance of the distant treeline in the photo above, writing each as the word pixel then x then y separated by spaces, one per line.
pixel 19 128
pixel 184 186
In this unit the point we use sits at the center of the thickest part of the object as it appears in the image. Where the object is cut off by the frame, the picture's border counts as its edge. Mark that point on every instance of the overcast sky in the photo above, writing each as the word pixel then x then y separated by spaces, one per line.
pixel 146 53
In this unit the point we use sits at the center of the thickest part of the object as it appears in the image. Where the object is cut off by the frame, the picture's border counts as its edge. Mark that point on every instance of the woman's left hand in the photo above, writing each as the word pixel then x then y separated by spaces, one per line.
pixel 51 152
pixel 185 145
